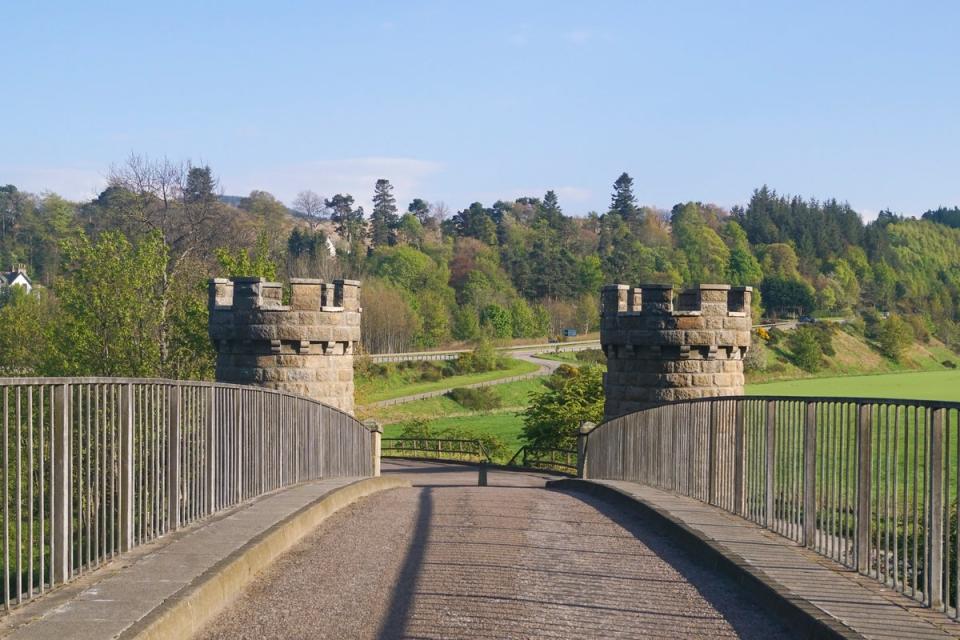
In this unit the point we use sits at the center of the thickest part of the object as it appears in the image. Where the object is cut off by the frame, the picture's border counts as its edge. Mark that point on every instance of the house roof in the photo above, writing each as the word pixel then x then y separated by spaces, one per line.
pixel 10 277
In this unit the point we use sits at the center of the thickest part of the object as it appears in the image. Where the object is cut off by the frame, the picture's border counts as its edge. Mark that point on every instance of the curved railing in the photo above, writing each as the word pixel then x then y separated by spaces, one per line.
pixel 96 466
pixel 870 483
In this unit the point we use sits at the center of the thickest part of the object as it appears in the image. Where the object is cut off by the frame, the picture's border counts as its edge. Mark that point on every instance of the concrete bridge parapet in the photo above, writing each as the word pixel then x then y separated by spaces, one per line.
pixel 662 348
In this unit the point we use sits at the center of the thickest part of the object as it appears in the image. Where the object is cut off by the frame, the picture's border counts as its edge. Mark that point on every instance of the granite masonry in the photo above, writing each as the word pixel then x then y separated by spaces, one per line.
pixel 660 349
pixel 305 347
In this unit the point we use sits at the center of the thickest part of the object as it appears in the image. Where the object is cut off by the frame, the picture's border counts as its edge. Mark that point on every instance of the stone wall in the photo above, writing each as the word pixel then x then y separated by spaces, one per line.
pixel 305 347
pixel 660 349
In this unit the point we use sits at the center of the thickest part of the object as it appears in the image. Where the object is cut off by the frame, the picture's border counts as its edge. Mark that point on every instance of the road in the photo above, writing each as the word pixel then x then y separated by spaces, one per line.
pixel 448 559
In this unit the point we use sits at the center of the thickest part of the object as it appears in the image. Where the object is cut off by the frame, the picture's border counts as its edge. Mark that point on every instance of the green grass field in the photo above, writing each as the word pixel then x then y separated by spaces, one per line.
pixel 395 386
pixel 923 385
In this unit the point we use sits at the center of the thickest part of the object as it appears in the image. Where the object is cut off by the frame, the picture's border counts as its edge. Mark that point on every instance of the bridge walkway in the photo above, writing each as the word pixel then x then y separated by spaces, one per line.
pixel 448 559
pixel 859 603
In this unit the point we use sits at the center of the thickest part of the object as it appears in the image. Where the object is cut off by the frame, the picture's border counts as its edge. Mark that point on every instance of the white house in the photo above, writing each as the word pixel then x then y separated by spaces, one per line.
pixel 16 277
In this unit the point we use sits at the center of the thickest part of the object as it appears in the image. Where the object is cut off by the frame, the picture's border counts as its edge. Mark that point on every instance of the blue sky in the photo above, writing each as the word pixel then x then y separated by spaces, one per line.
pixel 459 101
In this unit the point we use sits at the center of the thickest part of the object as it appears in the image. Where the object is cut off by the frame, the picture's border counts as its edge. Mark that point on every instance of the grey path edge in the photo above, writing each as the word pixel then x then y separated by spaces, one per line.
pixel 187 611
pixel 808 619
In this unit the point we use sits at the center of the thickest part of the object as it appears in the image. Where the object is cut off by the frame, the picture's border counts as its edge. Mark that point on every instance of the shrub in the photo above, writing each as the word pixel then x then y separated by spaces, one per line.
pixel 894 337
pixel 476 399
pixel 592 356
pixel 756 359
pixel 483 358
pixel 804 344
pixel 949 364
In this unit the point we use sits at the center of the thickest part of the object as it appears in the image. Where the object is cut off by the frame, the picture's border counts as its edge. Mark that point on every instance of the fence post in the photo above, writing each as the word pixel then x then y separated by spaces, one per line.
pixel 739 459
pixel 126 467
pixel 60 533
pixel 376 433
pixel 864 459
pixel 210 460
pixel 582 438
pixel 173 461
pixel 810 475
pixel 771 461
pixel 934 586
pixel 713 446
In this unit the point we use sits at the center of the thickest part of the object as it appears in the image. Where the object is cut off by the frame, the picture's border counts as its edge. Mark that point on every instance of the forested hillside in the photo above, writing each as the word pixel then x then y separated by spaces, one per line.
pixel 122 277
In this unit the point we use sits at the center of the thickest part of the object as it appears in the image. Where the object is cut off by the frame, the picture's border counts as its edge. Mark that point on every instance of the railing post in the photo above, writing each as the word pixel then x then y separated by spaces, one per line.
pixel 582 439
pixel 211 458
pixel 60 533
pixel 739 459
pixel 934 586
pixel 771 461
pixel 713 447
pixel 810 475
pixel 864 459
pixel 376 434
pixel 173 461
pixel 126 468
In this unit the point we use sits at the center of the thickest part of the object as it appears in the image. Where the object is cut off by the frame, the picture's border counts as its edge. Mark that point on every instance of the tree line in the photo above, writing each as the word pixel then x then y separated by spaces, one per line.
pixel 123 276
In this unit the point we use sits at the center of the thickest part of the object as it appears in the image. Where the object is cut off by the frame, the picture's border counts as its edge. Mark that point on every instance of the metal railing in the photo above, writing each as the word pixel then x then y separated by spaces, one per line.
pixel 872 484
pixel 533 457
pixel 434 449
pixel 93 467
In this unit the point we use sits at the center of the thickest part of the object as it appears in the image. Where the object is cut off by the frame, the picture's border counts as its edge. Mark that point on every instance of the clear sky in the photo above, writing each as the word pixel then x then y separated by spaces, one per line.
pixel 464 101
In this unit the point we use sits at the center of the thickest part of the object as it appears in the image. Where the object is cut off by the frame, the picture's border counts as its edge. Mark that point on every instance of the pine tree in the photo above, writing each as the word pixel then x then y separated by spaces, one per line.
pixel 623 202
pixel 347 220
pixel 383 218
pixel 419 208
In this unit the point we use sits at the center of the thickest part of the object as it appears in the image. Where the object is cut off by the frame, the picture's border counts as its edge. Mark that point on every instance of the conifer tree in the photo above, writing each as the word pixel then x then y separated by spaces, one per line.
pixel 623 202
pixel 383 218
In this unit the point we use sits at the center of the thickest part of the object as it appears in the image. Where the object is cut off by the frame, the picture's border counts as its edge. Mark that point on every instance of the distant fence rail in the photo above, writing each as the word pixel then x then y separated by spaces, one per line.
pixel 533 457
pixel 872 484
pixel 93 467
pixel 435 449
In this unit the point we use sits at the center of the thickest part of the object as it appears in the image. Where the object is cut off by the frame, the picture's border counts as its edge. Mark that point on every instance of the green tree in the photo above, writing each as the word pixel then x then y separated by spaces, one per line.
pixel 383 216
pixel 348 221
pixel 109 299
pixel 805 347
pixel 572 396
pixel 623 202
pixel 895 337
pixel 497 321
pixel 244 263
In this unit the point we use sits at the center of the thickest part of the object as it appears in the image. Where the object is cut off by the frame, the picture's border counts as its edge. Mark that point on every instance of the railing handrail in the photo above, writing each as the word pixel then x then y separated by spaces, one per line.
pixel 20 382
pixel 861 400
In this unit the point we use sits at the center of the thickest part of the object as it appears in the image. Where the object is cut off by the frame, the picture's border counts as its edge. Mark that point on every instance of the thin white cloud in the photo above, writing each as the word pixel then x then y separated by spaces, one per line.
pixel 518 40
pixel 355 176
pixel 579 36
pixel 73 183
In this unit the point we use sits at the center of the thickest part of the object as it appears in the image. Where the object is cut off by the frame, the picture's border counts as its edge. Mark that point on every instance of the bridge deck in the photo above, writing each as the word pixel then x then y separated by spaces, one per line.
pixel 860 603
pixel 448 559
pixel 115 599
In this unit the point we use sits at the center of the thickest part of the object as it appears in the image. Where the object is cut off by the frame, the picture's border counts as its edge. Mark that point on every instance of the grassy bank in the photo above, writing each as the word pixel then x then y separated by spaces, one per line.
pixel 405 381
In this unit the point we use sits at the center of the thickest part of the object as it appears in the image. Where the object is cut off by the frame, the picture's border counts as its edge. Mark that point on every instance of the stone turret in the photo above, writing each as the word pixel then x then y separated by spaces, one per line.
pixel 660 350
pixel 305 347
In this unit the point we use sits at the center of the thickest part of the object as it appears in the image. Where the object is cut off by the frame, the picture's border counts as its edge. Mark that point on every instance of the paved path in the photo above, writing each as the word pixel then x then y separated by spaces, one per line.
pixel 859 602
pixel 448 559
pixel 546 368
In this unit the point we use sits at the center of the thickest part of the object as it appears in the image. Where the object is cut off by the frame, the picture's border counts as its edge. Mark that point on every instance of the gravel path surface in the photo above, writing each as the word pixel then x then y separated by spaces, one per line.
pixel 448 559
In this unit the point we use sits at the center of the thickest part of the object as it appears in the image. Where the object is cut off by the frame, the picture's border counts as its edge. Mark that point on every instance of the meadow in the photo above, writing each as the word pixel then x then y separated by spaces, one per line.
pixel 921 385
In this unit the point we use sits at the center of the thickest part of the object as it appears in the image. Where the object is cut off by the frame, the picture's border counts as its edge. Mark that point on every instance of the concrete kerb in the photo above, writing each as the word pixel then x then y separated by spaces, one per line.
pixel 187 611
pixel 808 619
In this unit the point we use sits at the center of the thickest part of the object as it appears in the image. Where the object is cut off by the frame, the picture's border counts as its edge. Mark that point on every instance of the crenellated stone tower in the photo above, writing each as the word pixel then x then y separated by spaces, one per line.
pixel 659 350
pixel 305 347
